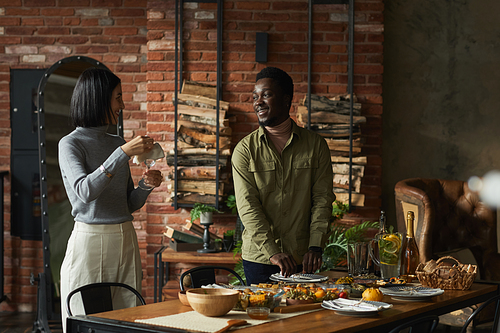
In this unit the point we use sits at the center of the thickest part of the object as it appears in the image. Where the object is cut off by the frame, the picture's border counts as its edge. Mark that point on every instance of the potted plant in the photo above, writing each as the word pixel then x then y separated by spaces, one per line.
pixel 335 251
pixel 231 204
pixel 228 240
pixel 203 212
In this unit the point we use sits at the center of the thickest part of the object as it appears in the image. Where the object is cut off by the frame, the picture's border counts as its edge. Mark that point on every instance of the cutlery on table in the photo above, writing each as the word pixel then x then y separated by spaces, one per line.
pixel 231 323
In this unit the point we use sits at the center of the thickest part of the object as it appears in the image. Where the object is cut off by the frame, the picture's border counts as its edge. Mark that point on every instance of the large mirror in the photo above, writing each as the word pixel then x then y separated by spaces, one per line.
pixel 53 106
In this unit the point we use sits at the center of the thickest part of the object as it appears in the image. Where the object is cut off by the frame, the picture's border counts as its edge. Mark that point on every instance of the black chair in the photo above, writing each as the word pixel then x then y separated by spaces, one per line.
pixel 204 275
pixel 97 297
pixel 426 324
pixel 479 309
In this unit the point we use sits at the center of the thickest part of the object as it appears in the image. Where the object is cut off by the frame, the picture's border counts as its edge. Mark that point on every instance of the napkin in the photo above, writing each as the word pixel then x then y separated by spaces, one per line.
pixel 350 304
pixel 154 154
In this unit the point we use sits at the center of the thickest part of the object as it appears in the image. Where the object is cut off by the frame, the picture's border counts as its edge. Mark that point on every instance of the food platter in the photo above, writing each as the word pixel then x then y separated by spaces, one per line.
pixel 355 308
pixel 411 293
pixel 299 277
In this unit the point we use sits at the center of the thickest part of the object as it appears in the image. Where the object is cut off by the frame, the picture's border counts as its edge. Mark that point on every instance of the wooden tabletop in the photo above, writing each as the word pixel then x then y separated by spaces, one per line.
pixel 170 255
pixel 327 320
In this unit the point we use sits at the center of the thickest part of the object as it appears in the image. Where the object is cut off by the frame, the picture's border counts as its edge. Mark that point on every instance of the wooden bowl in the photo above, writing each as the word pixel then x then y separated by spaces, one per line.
pixel 183 298
pixel 291 301
pixel 212 302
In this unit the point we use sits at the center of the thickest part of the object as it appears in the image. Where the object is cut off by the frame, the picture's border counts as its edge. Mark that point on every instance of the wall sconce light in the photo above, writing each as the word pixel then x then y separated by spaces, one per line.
pixel 261 47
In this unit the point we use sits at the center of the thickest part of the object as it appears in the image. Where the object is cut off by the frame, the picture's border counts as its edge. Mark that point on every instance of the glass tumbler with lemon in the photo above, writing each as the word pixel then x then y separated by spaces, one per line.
pixel 389 254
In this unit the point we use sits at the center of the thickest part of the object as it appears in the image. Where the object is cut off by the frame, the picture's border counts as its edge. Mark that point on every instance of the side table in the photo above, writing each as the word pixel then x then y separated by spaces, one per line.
pixel 165 255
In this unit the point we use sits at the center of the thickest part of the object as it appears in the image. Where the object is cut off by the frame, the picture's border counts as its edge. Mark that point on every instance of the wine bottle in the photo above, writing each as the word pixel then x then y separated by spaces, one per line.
pixel 381 231
pixel 410 257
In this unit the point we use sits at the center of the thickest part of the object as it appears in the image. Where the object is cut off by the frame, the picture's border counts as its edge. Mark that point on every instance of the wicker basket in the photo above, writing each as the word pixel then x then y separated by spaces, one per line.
pixel 435 274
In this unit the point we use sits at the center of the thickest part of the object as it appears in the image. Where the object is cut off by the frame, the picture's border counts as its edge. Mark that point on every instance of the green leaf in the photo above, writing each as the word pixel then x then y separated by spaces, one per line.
pixel 199 208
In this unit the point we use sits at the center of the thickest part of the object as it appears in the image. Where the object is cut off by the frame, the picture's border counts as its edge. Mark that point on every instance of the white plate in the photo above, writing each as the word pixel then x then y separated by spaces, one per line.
pixel 299 277
pixel 353 308
pixel 409 293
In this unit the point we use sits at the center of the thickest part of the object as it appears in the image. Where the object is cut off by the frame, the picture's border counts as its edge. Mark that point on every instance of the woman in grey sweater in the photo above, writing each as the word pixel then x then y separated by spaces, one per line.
pixel 95 168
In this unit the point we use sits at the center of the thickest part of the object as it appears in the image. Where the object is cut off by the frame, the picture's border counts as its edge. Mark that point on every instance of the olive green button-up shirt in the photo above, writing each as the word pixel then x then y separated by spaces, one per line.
pixel 284 202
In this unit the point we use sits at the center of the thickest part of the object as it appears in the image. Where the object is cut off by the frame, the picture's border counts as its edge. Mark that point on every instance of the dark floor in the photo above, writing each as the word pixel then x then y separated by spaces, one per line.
pixel 23 322
pixel 11 322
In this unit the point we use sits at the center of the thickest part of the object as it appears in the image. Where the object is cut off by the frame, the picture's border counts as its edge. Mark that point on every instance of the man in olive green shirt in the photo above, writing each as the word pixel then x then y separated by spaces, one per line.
pixel 283 183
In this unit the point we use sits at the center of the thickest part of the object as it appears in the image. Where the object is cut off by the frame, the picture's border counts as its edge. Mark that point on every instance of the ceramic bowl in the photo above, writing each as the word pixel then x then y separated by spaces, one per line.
pixel 212 302
pixel 183 298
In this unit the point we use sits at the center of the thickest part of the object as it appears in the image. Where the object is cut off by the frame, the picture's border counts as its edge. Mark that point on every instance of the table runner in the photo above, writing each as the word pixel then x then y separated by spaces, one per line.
pixel 192 320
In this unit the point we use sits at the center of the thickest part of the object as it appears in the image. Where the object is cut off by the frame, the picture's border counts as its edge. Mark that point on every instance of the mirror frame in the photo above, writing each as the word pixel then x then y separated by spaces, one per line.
pixel 45 304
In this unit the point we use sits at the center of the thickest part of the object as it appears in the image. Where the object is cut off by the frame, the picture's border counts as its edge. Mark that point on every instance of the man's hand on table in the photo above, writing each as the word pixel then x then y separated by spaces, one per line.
pixel 311 262
pixel 285 262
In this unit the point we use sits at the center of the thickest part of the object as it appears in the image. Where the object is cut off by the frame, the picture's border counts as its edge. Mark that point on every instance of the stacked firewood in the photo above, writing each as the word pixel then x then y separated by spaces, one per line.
pixel 197 145
pixel 330 117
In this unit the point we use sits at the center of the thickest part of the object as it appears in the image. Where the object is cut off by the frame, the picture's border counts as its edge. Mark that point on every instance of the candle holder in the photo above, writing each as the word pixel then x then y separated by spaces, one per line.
pixel 206 222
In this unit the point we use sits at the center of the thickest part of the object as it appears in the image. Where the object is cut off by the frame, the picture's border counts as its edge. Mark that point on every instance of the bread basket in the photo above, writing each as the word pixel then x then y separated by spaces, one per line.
pixel 438 274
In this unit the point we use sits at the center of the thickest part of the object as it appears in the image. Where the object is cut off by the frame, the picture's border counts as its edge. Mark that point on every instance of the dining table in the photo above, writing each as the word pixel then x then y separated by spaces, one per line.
pixel 312 321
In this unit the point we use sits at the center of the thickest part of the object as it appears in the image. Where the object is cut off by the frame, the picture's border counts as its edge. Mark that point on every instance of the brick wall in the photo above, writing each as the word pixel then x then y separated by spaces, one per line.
pixel 135 39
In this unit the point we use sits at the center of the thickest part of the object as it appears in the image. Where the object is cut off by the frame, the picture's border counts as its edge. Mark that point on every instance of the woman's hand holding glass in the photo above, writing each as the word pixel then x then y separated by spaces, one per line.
pixel 138 145
pixel 152 178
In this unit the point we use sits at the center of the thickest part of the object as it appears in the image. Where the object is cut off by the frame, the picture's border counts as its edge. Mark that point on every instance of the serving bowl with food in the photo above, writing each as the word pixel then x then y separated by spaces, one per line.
pixel 258 297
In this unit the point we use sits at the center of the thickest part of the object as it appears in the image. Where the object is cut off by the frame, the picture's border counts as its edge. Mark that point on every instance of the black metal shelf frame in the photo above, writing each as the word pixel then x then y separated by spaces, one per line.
pixel 178 82
pixel 3 297
pixel 350 72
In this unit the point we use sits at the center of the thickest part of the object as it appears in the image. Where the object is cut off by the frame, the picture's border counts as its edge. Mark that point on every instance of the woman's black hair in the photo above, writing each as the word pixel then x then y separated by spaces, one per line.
pixel 284 80
pixel 91 100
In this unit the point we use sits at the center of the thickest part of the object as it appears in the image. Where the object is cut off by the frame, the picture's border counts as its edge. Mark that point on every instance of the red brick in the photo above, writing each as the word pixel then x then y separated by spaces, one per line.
pixel 290 6
pixel 11 21
pixel 32 21
pixel 120 31
pixel 368 48
pixel 128 21
pixel 91 49
pixel 21 11
pixel 142 40
pixel 86 31
pixel 161 25
pixel 72 40
pixel 57 12
pixel 74 3
pixel 90 22
pixel 39 3
pixel 127 12
pixel 365 7
pixel 106 3
pixel 143 22
pixel 368 69
pixel 207 25
pixel 152 35
pixel 155 56
pixel 104 39
pixel 13 31
pixel 54 31
pixel 9 40
pixel 71 21
pixel 53 21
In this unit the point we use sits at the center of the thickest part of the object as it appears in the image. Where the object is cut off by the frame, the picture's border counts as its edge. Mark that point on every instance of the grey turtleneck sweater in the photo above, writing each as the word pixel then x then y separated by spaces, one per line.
pixel 96 198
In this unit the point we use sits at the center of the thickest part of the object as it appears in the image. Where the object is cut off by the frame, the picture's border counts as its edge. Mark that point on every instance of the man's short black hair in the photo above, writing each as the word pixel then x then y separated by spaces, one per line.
pixel 284 80
pixel 91 100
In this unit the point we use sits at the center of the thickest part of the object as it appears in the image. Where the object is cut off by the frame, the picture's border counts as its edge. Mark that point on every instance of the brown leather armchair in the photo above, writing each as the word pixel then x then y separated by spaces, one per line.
pixel 449 216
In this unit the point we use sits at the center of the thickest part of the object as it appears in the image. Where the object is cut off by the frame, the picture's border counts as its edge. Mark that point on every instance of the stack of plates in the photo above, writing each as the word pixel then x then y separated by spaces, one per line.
pixel 409 293
pixel 350 307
